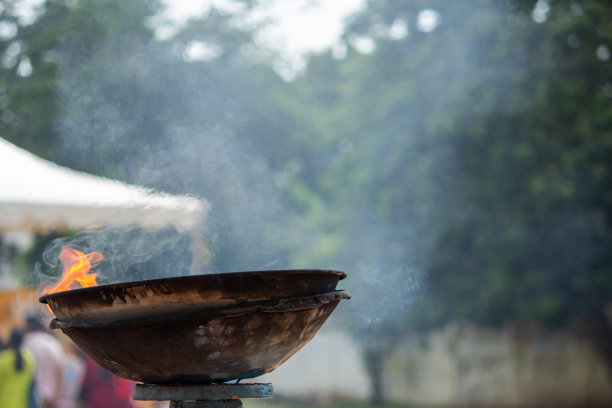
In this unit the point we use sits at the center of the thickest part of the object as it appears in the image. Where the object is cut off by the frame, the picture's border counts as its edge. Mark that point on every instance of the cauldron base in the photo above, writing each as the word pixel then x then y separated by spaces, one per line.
pixel 202 396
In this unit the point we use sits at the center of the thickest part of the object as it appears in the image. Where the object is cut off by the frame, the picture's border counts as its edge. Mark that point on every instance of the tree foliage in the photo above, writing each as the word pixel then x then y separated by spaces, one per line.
pixel 472 143
pixel 482 146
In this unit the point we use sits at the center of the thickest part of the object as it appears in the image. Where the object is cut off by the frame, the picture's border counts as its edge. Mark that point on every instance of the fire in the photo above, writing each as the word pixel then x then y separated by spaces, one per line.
pixel 76 267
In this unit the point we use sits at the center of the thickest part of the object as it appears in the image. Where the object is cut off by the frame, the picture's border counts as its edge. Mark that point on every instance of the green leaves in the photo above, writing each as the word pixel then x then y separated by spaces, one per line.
pixel 478 150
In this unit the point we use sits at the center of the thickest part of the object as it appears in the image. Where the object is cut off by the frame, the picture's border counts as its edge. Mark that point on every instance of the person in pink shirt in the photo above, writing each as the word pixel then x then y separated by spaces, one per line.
pixel 101 389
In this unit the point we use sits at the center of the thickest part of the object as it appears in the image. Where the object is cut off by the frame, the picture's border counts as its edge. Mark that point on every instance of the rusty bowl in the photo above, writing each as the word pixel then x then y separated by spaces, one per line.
pixel 228 333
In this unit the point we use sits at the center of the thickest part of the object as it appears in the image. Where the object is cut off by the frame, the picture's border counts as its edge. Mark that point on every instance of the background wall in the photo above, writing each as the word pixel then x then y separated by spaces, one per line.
pixel 461 364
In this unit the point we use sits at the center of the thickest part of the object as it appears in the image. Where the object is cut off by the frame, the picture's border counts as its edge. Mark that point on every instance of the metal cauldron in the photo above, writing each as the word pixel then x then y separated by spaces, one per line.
pixel 198 329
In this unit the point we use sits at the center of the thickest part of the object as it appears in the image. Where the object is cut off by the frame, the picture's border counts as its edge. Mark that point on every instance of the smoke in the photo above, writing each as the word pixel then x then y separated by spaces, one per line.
pixel 245 202
pixel 383 293
pixel 180 126
pixel 129 254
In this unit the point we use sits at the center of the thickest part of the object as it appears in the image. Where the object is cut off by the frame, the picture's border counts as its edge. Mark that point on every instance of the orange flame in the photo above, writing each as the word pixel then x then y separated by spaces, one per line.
pixel 76 265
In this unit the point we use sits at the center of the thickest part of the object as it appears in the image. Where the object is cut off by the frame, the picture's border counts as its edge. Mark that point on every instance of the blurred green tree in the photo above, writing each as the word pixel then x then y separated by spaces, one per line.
pixel 528 235
pixel 472 143
pixel 43 46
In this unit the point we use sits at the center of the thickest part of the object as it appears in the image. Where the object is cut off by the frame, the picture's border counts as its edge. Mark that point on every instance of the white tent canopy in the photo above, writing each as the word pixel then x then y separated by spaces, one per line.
pixel 37 194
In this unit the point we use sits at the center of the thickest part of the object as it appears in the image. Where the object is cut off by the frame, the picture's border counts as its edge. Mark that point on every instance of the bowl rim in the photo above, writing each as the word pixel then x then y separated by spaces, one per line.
pixel 189 314
pixel 158 281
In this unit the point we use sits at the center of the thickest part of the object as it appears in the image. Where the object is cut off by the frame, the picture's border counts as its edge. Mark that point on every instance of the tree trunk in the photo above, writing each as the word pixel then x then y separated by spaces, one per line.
pixel 598 330
pixel 374 360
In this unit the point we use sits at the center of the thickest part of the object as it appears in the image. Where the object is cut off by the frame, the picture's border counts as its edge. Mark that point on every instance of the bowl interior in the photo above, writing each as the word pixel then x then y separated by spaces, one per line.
pixel 193 292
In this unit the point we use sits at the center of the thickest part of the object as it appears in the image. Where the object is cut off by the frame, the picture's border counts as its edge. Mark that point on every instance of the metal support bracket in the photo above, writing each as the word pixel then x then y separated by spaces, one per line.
pixel 209 396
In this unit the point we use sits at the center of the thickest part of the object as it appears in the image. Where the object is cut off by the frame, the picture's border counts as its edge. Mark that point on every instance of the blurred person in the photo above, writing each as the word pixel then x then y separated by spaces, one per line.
pixel 17 366
pixel 49 355
pixel 73 374
pixel 101 389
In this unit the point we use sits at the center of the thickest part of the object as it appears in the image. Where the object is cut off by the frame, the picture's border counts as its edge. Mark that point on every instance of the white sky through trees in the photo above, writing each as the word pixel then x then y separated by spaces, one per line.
pixel 296 27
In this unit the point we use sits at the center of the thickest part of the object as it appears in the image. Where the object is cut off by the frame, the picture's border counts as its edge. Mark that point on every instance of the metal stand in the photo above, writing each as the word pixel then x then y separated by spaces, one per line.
pixel 202 396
